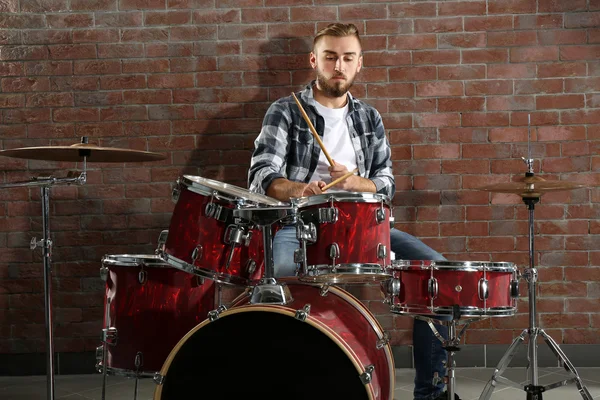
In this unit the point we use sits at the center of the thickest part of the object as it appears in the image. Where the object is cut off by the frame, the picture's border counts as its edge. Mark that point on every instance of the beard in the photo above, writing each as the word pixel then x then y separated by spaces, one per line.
pixel 335 89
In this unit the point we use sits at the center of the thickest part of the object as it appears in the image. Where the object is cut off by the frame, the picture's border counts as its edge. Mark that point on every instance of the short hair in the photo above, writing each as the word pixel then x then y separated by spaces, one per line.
pixel 339 30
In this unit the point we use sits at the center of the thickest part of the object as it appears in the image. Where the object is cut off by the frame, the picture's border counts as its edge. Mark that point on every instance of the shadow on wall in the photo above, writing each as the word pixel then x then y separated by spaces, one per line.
pixel 242 90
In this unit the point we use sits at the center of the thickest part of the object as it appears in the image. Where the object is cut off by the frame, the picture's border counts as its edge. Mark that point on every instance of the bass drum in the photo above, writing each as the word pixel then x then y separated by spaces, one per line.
pixel 323 345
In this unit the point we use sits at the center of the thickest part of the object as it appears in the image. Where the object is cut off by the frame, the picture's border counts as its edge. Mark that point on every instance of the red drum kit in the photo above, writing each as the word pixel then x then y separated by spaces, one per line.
pixel 165 319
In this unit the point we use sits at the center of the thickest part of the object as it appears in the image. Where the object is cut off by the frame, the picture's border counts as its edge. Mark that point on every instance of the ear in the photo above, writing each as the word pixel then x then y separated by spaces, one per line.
pixel 360 64
pixel 313 60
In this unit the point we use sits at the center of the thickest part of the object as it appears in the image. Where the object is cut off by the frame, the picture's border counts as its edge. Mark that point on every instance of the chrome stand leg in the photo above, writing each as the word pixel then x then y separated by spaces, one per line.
pixel 47 255
pixel 104 370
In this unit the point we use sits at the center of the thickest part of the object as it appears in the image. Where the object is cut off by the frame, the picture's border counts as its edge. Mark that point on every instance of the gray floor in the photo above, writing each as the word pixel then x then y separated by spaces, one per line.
pixel 469 385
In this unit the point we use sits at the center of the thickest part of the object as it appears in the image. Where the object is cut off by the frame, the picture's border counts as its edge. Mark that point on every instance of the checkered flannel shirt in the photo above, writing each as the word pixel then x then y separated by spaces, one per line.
pixel 285 147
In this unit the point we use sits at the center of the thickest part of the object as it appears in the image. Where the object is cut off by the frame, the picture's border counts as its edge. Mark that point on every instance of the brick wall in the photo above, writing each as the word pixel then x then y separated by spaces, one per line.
pixel 454 81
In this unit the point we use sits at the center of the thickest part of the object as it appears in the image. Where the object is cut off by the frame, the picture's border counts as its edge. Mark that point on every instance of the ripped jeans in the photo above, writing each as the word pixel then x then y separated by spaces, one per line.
pixel 428 352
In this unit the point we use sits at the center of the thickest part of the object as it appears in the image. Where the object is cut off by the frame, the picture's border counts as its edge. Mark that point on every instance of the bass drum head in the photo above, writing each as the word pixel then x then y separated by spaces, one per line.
pixel 262 354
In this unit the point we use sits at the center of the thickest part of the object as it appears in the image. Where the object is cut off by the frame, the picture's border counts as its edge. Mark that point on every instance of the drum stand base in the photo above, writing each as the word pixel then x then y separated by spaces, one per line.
pixel 270 291
pixel 451 345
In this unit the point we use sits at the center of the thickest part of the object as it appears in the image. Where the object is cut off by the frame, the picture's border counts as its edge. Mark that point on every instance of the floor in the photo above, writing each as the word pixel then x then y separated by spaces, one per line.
pixel 469 385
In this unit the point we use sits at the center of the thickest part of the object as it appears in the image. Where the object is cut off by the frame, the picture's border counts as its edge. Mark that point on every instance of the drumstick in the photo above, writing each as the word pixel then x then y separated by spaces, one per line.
pixel 338 180
pixel 313 130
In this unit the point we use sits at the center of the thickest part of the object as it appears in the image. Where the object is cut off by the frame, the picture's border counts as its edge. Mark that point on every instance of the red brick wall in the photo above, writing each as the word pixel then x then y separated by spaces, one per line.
pixel 454 81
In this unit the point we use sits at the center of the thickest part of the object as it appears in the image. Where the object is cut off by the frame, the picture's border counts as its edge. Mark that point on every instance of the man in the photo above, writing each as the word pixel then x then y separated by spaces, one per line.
pixel 287 162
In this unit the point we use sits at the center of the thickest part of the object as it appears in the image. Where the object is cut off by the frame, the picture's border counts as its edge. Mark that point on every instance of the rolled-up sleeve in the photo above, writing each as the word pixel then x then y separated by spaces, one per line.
pixel 381 167
pixel 270 148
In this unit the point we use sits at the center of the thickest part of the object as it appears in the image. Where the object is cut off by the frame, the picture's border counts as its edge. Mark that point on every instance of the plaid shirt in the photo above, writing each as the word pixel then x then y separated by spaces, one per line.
pixel 285 147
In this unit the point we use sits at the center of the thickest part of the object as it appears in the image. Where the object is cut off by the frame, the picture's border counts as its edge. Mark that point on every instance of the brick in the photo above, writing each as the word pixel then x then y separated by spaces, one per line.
pixel 505 103
pixel 437 120
pixel 207 95
pixel 49 36
pixel 12 36
pixel 167 17
pixel 119 19
pixel 10 53
pixel 547 21
pixel 147 97
pixel 141 4
pixel 189 33
pixel 552 6
pixel 25 116
pixel 11 68
pixel 135 66
pixel 436 57
pixel 97 98
pixel 562 37
pixel 12 101
pixel 570 259
pixel 9 6
pixel 485 56
pixel 502 39
pixel 97 67
pixel 260 15
pixel 563 133
pixel 119 113
pixel 144 35
pixel 71 20
pixel 462 72
pixel 117 50
pixel 560 102
pixel 147 128
pixel 412 73
pixel 103 5
pixel 437 25
pixel 385 26
pixel 533 54
pixel 207 3
pixel 442 151
pixel 462 8
pixel 123 82
pixel 486 151
pixel 538 86
pixel 388 58
pixel 50 100
pixel 562 69
pixel 211 16
pixel 589 242
pixel 437 89
pixel 512 6
pixel 72 51
pixel 25 84
pixel 412 42
pixel 510 135
pixel 461 104
pixel 582 85
pixel 21 21
pixel 580 117
pixel 361 12
pixel 488 23
pixel 589 52
pixel 581 336
pixel 171 112
pixel 99 129
pixel 485 119
pixel 411 10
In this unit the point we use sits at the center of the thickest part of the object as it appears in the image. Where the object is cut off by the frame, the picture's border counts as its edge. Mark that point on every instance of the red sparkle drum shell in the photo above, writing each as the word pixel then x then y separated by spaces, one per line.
pixel 197 242
pixel 424 287
pixel 361 234
pixel 268 352
pixel 150 306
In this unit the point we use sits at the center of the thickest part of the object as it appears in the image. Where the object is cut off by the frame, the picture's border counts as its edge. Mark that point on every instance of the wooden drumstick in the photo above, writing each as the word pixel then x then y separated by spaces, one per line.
pixel 313 130
pixel 338 180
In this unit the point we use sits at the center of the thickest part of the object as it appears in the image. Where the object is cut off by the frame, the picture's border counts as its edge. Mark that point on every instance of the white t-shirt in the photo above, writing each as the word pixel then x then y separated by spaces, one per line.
pixel 336 139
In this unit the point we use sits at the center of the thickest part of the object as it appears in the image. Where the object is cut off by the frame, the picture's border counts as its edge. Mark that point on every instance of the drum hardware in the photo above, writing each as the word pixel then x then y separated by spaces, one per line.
pixel 367 376
pixel 303 313
pixel 324 290
pixel 236 235
pixel 382 252
pixel 158 378
pixel 214 314
pixel 381 343
pixel 268 290
pixel 197 253
pixel 328 215
pixel 142 276
pixel 531 189
pixel 80 152
pixel 334 252
pixel 380 214
pixel 162 239
pixel 138 362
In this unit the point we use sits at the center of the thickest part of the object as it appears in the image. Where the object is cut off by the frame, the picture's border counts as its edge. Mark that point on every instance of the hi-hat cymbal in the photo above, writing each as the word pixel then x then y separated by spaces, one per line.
pixel 531 187
pixel 77 152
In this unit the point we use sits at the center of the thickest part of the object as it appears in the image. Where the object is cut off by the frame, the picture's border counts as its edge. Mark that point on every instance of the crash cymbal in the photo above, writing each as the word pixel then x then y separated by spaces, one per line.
pixel 77 152
pixel 531 187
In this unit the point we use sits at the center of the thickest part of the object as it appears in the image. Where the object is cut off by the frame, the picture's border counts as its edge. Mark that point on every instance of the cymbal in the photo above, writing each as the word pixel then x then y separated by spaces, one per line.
pixel 77 152
pixel 531 187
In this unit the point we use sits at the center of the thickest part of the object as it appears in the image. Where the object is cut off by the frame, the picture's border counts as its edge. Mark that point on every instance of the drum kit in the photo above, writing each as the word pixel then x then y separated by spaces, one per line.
pixel 164 317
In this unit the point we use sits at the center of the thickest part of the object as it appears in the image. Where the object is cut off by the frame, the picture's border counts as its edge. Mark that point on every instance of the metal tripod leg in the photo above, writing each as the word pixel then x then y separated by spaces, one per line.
pixel 502 365
pixel 585 394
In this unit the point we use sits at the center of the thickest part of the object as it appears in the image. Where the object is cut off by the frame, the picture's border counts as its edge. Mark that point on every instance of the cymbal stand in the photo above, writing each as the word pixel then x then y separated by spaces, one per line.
pixel 533 388
pixel 46 244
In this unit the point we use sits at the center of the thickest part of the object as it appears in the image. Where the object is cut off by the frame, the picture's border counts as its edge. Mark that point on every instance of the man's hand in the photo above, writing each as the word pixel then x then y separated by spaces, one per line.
pixel 338 170
pixel 313 188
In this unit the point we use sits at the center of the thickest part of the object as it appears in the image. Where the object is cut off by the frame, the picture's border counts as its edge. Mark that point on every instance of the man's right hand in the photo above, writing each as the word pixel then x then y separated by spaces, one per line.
pixel 313 188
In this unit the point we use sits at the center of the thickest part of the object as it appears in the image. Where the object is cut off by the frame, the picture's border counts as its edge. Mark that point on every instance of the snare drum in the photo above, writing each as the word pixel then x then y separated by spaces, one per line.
pixel 473 288
pixel 325 344
pixel 204 237
pixel 148 307
pixel 344 237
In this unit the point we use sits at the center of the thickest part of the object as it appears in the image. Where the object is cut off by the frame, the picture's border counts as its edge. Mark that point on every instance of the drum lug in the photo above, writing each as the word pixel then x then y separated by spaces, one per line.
pixel 302 314
pixel 334 251
pixel 214 314
pixel 237 235
pixel 162 240
pixel 367 376
pixel 381 251
pixel 380 215
pixel 324 290
pixel 142 276
pixel 158 378
pixel 307 233
pixel 197 253
pixel 328 215
pixel 176 191
pixel 392 221
pixel 104 273
pixel 381 343
pixel 432 287
pixel 110 336
pixel 250 266
pixel 514 289
pixel 299 255
pixel 99 357
pixel 392 287
pixel 216 211
pixel 139 360
pixel 483 289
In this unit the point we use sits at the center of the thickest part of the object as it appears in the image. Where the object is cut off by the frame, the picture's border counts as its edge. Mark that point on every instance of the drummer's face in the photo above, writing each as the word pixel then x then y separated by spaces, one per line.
pixel 336 61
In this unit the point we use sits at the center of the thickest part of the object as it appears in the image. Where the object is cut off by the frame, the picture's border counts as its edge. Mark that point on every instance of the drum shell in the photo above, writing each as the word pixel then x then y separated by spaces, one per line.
pixel 356 231
pixel 152 306
pixel 336 314
pixel 457 284
pixel 190 227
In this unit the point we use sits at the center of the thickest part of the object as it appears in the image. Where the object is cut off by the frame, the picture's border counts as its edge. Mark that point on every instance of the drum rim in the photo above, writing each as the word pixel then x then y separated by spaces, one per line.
pixel 497 266
pixel 219 277
pixel 207 186
pixel 279 309
pixel 126 259
pixel 466 311
pixel 362 197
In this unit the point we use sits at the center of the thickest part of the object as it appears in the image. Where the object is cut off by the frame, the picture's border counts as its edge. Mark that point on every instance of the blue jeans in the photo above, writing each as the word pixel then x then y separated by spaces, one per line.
pixel 427 349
